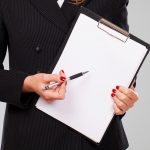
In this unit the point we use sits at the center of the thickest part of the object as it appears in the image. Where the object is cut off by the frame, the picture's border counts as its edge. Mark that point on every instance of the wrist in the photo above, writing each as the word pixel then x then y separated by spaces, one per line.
pixel 27 85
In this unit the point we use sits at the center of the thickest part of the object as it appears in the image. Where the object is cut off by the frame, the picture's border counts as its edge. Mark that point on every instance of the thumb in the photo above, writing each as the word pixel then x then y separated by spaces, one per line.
pixel 62 89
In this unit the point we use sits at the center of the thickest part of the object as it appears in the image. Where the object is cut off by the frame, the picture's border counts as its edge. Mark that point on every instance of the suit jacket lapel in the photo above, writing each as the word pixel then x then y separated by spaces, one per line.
pixel 51 10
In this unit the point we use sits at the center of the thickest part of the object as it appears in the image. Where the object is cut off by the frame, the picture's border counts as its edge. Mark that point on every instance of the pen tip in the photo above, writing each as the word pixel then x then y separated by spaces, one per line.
pixel 85 72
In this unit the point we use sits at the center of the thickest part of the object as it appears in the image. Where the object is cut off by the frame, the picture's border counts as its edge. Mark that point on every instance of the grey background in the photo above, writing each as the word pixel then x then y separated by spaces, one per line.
pixel 136 121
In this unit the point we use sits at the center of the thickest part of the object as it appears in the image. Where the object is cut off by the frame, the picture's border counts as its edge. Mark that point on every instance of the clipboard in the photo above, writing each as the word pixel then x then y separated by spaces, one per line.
pixel 87 107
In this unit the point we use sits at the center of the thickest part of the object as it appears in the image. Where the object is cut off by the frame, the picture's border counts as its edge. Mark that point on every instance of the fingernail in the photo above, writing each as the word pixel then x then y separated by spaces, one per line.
pixel 62 78
pixel 117 87
pixel 114 90
pixel 62 71
pixel 112 94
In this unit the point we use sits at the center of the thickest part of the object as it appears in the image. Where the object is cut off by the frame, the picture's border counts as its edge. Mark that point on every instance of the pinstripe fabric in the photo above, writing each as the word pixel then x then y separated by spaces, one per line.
pixel 33 30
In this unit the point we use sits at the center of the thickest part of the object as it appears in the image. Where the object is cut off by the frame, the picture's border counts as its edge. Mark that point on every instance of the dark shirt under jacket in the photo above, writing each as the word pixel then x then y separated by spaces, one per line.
pixel 33 30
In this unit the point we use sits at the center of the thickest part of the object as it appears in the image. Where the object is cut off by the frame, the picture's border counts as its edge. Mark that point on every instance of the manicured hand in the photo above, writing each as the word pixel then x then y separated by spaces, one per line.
pixel 124 98
pixel 36 83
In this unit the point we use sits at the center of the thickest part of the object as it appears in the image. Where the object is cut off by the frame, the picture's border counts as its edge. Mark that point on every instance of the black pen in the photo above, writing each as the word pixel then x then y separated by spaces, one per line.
pixel 50 85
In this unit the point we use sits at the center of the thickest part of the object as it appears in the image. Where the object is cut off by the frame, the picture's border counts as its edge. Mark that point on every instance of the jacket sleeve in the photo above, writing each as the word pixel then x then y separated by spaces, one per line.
pixel 11 82
pixel 120 16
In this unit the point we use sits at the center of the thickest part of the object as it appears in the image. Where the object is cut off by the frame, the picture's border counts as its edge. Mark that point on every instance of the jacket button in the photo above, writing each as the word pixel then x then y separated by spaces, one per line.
pixel 37 49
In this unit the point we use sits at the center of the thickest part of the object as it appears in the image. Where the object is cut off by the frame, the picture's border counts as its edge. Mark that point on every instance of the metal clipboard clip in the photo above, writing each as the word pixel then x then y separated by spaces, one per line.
pixel 114 27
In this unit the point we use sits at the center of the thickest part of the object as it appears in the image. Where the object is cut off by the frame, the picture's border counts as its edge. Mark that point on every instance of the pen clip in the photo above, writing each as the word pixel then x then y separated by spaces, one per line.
pixel 114 27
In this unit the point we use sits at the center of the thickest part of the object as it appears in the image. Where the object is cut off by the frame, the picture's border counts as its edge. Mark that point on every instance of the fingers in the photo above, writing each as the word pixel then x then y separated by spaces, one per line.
pixel 124 98
pixel 62 89
pixel 128 92
pixel 117 110
pixel 62 73
pixel 121 105
pixel 51 78
pixel 54 78
pixel 55 94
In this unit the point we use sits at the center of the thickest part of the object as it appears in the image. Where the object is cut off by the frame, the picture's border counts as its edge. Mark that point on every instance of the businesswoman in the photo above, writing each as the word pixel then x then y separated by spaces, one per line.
pixel 33 30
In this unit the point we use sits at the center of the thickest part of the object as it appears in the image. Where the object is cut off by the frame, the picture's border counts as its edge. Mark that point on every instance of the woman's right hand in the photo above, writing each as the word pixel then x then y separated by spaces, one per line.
pixel 36 83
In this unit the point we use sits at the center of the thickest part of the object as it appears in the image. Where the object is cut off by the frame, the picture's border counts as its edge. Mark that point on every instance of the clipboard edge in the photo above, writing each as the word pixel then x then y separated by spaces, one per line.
pixel 96 17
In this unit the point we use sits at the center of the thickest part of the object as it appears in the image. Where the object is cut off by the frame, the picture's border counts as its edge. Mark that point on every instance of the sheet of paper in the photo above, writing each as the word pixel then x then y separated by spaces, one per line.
pixel 87 106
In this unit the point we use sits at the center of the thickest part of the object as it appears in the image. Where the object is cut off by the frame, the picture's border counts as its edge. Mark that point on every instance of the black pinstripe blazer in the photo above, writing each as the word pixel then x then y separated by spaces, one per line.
pixel 33 30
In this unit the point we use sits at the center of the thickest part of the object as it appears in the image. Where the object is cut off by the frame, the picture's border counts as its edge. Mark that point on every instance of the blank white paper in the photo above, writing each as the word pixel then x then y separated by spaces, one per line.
pixel 87 107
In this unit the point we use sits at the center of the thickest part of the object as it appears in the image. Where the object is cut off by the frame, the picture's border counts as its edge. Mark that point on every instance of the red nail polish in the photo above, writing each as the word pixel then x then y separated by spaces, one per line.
pixel 63 71
pixel 117 87
pixel 112 94
pixel 62 78
pixel 114 90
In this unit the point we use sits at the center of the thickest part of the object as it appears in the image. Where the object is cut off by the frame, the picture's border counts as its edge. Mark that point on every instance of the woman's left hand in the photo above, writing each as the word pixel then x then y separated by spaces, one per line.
pixel 124 98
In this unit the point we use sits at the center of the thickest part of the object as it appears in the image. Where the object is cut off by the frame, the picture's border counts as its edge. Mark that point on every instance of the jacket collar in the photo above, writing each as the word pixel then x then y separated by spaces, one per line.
pixel 51 10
